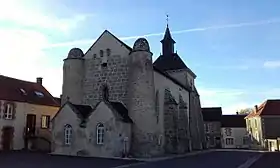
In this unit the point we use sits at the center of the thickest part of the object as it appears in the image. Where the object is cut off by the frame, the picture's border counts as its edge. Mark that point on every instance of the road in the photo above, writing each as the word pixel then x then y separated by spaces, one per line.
pixel 213 159
pixel 269 160
pixel 220 159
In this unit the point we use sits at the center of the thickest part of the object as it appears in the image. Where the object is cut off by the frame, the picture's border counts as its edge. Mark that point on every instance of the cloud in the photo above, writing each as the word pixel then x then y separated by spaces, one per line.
pixel 23 58
pixel 23 15
pixel 271 64
pixel 236 25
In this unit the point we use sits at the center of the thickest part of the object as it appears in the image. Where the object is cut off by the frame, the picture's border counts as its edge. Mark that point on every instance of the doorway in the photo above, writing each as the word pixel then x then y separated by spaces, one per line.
pixel 7 138
pixel 30 128
pixel 30 124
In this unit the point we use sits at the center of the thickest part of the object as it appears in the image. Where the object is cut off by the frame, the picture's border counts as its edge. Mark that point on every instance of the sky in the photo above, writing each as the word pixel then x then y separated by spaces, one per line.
pixel 231 45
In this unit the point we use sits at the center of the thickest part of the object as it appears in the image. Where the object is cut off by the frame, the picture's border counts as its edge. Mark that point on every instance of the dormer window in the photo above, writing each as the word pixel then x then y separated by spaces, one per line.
pixel 39 94
pixel 23 92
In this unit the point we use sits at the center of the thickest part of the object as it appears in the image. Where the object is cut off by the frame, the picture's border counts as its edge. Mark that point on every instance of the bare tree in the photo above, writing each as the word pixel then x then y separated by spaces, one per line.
pixel 245 111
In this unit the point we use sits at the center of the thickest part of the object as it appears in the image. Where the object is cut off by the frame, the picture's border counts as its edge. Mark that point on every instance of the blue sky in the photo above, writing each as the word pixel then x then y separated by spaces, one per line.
pixel 231 45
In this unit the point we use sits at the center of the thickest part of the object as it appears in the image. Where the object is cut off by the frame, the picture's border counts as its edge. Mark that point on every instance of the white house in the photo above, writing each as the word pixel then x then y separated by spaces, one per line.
pixel 234 133
pixel 26 109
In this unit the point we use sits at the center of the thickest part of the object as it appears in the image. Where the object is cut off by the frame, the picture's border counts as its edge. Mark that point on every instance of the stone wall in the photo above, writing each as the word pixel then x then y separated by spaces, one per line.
pixel 114 75
pixel 170 123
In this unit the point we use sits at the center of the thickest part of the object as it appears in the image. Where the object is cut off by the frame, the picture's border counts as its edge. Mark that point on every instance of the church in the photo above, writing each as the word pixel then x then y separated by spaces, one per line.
pixel 117 102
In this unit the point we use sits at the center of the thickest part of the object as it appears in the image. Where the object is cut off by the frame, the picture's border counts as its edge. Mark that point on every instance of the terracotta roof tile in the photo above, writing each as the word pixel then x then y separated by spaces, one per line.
pixel 269 107
pixel 12 89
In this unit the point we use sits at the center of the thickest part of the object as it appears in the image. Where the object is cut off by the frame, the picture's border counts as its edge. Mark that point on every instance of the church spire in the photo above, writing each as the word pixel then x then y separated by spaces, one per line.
pixel 167 41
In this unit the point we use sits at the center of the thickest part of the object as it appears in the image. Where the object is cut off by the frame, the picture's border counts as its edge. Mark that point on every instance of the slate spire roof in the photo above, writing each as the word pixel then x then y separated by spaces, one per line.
pixel 169 60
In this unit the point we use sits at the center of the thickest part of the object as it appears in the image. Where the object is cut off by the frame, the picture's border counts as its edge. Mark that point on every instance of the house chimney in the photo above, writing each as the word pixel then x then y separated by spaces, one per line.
pixel 39 80
pixel 256 108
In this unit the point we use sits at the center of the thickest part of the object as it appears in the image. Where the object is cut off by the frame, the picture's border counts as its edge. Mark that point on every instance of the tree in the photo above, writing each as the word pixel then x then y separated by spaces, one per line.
pixel 245 111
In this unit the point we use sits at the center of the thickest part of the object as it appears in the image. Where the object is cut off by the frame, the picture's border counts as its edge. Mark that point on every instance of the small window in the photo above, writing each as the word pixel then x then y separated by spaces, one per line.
pixel 101 53
pixel 100 131
pixel 228 131
pixel 229 141
pixel 8 111
pixel 108 52
pixel 45 123
pixel 67 134
pixel 39 94
pixel 94 56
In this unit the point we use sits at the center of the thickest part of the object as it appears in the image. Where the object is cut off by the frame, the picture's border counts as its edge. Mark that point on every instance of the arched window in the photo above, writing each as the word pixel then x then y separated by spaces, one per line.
pixel 101 53
pixel 108 52
pixel 67 134
pixel 100 130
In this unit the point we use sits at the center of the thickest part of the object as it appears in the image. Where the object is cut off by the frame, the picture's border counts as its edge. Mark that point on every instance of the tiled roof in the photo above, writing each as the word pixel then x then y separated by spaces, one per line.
pixel 58 100
pixel 122 111
pixel 212 113
pixel 233 121
pixel 171 62
pixel 84 110
pixel 12 89
pixel 269 107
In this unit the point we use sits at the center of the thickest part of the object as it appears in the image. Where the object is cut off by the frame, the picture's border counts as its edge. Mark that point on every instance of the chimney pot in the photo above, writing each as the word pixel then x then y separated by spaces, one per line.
pixel 39 80
pixel 256 108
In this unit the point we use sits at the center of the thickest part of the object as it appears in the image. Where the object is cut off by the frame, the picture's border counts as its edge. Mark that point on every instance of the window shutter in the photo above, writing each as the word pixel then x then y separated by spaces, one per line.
pixel 48 121
pixel 14 110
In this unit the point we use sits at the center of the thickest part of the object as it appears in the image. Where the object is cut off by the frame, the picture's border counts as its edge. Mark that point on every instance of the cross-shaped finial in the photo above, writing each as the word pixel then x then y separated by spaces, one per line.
pixel 167 19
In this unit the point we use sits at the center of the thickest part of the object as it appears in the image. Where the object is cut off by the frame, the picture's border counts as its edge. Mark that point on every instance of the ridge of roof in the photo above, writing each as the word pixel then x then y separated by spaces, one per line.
pixel 267 108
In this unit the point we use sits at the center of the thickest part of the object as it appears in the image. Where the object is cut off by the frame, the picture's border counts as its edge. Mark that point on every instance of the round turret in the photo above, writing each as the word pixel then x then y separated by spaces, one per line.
pixel 141 44
pixel 73 73
pixel 75 53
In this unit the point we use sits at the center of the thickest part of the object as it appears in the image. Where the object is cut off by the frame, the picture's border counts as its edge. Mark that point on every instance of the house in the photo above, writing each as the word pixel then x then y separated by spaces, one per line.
pixel 26 109
pixel 234 133
pixel 116 102
pixel 262 125
pixel 212 125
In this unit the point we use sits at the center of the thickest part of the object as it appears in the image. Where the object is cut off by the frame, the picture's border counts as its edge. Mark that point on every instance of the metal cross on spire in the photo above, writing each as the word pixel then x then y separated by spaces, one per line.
pixel 167 19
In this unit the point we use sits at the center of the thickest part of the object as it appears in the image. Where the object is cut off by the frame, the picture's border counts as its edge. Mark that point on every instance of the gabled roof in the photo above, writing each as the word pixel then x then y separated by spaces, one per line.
pixel 122 111
pixel 12 89
pixel 267 108
pixel 106 31
pixel 233 121
pixel 212 113
pixel 171 62
pixel 84 111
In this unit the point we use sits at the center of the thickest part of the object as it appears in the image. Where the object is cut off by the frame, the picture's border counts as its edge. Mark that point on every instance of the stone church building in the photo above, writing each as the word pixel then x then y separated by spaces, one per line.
pixel 116 102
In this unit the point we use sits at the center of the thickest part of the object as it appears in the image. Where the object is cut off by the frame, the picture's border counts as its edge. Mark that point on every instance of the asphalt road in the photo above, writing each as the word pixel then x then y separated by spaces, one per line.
pixel 208 160
pixel 35 160
pixel 268 160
